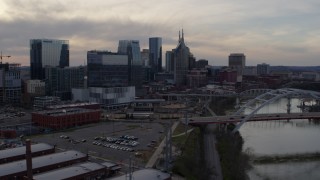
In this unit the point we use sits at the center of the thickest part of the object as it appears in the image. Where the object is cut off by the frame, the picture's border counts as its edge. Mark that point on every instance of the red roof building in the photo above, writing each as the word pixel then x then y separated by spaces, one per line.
pixel 65 118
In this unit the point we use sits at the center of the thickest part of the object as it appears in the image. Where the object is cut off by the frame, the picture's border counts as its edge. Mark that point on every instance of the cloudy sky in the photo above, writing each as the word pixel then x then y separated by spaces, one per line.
pixel 278 32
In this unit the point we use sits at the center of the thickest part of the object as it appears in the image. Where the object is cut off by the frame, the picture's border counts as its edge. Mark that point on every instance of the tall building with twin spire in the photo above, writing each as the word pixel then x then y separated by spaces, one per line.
pixel 181 61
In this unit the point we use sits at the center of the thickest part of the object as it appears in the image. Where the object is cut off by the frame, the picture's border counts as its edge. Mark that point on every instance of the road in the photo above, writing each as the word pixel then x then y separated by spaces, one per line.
pixel 152 161
pixel 211 154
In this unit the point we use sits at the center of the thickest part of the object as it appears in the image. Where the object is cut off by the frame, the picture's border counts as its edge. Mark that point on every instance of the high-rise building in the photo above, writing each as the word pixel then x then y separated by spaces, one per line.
pixel 108 78
pixel 181 60
pixel 263 69
pixel 60 81
pixel 47 52
pixel 107 69
pixel 170 61
pixel 201 63
pixel 155 55
pixel 145 57
pixel 10 83
pixel 237 61
pixel 192 61
pixel 131 48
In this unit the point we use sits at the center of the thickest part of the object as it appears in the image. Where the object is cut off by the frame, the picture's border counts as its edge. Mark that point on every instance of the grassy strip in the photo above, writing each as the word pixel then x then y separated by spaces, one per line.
pixel 219 105
pixel 181 128
pixel 233 162
pixel 189 165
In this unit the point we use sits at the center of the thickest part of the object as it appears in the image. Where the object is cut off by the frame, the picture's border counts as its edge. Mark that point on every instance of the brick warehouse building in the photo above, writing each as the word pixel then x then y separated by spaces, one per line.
pixel 65 118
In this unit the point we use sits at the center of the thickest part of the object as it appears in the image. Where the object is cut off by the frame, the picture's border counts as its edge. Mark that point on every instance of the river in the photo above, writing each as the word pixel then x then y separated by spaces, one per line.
pixel 282 138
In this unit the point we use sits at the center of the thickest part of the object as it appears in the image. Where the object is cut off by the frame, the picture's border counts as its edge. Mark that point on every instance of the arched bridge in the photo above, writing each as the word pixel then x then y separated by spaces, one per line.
pixel 259 102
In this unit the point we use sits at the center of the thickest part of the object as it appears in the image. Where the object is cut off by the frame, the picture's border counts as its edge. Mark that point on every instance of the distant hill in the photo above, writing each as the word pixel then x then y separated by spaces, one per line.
pixel 295 68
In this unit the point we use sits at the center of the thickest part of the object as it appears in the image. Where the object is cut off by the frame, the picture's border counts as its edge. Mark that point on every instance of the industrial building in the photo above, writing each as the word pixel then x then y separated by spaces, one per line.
pixel 146 174
pixel 19 153
pixel 87 170
pixel 65 118
pixel 18 169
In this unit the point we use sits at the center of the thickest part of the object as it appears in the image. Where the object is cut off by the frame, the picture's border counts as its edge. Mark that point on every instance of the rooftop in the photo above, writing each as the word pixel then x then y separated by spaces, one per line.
pixel 62 112
pixel 22 150
pixel 20 166
pixel 71 105
pixel 70 171
pixel 148 100
pixel 146 174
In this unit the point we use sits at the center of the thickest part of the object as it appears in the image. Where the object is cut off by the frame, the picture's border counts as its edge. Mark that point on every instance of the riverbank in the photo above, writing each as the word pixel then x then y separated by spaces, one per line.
pixel 286 158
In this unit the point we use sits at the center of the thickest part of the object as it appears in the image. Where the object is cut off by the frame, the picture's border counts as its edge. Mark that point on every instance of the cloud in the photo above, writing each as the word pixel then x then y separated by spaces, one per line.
pixel 275 31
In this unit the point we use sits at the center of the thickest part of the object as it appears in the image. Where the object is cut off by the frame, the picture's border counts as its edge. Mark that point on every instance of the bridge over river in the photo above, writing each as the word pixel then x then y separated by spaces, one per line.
pixel 256 117
pixel 257 103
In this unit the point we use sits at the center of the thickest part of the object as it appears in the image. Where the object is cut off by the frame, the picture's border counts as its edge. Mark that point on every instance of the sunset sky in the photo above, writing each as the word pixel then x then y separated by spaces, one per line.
pixel 278 32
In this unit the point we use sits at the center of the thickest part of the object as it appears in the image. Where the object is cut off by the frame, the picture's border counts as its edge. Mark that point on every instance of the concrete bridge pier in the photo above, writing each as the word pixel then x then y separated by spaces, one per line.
pixel 289 105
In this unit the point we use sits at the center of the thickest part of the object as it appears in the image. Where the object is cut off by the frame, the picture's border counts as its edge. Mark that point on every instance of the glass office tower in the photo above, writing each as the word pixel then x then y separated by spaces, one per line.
pixel 132 49
pixel 47 52
pixel 155 55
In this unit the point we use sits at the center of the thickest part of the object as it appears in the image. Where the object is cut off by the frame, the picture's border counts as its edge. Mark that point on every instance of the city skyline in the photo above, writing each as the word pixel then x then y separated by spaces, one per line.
pixel 273 32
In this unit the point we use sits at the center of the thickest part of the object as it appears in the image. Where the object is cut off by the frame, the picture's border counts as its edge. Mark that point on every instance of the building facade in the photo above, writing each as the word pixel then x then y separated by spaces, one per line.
pixel 35 87
pixel 197 78
pixel 47 52
pixel 202 63
pixel 263 69
pixel 106 69
pixel 113 96
pixel 249 71
pixel 228 76
pixel 65 118
pixel 310 76
pixel 237 61
pixel 131 48
pixel 145 57
pixel 43 101
pixel 170 61
pixel 10 83
pixel 155 55
pixel 60 81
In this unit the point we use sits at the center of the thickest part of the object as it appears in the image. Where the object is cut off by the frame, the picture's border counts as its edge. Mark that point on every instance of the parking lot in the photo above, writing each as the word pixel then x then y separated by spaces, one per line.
pixel 115 141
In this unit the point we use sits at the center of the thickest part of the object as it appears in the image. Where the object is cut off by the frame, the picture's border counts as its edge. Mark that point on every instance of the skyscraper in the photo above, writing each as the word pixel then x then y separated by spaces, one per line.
pixel 155 55
pixel 181 60
pixel 132 49
pixel 169 61
pixel 47 52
